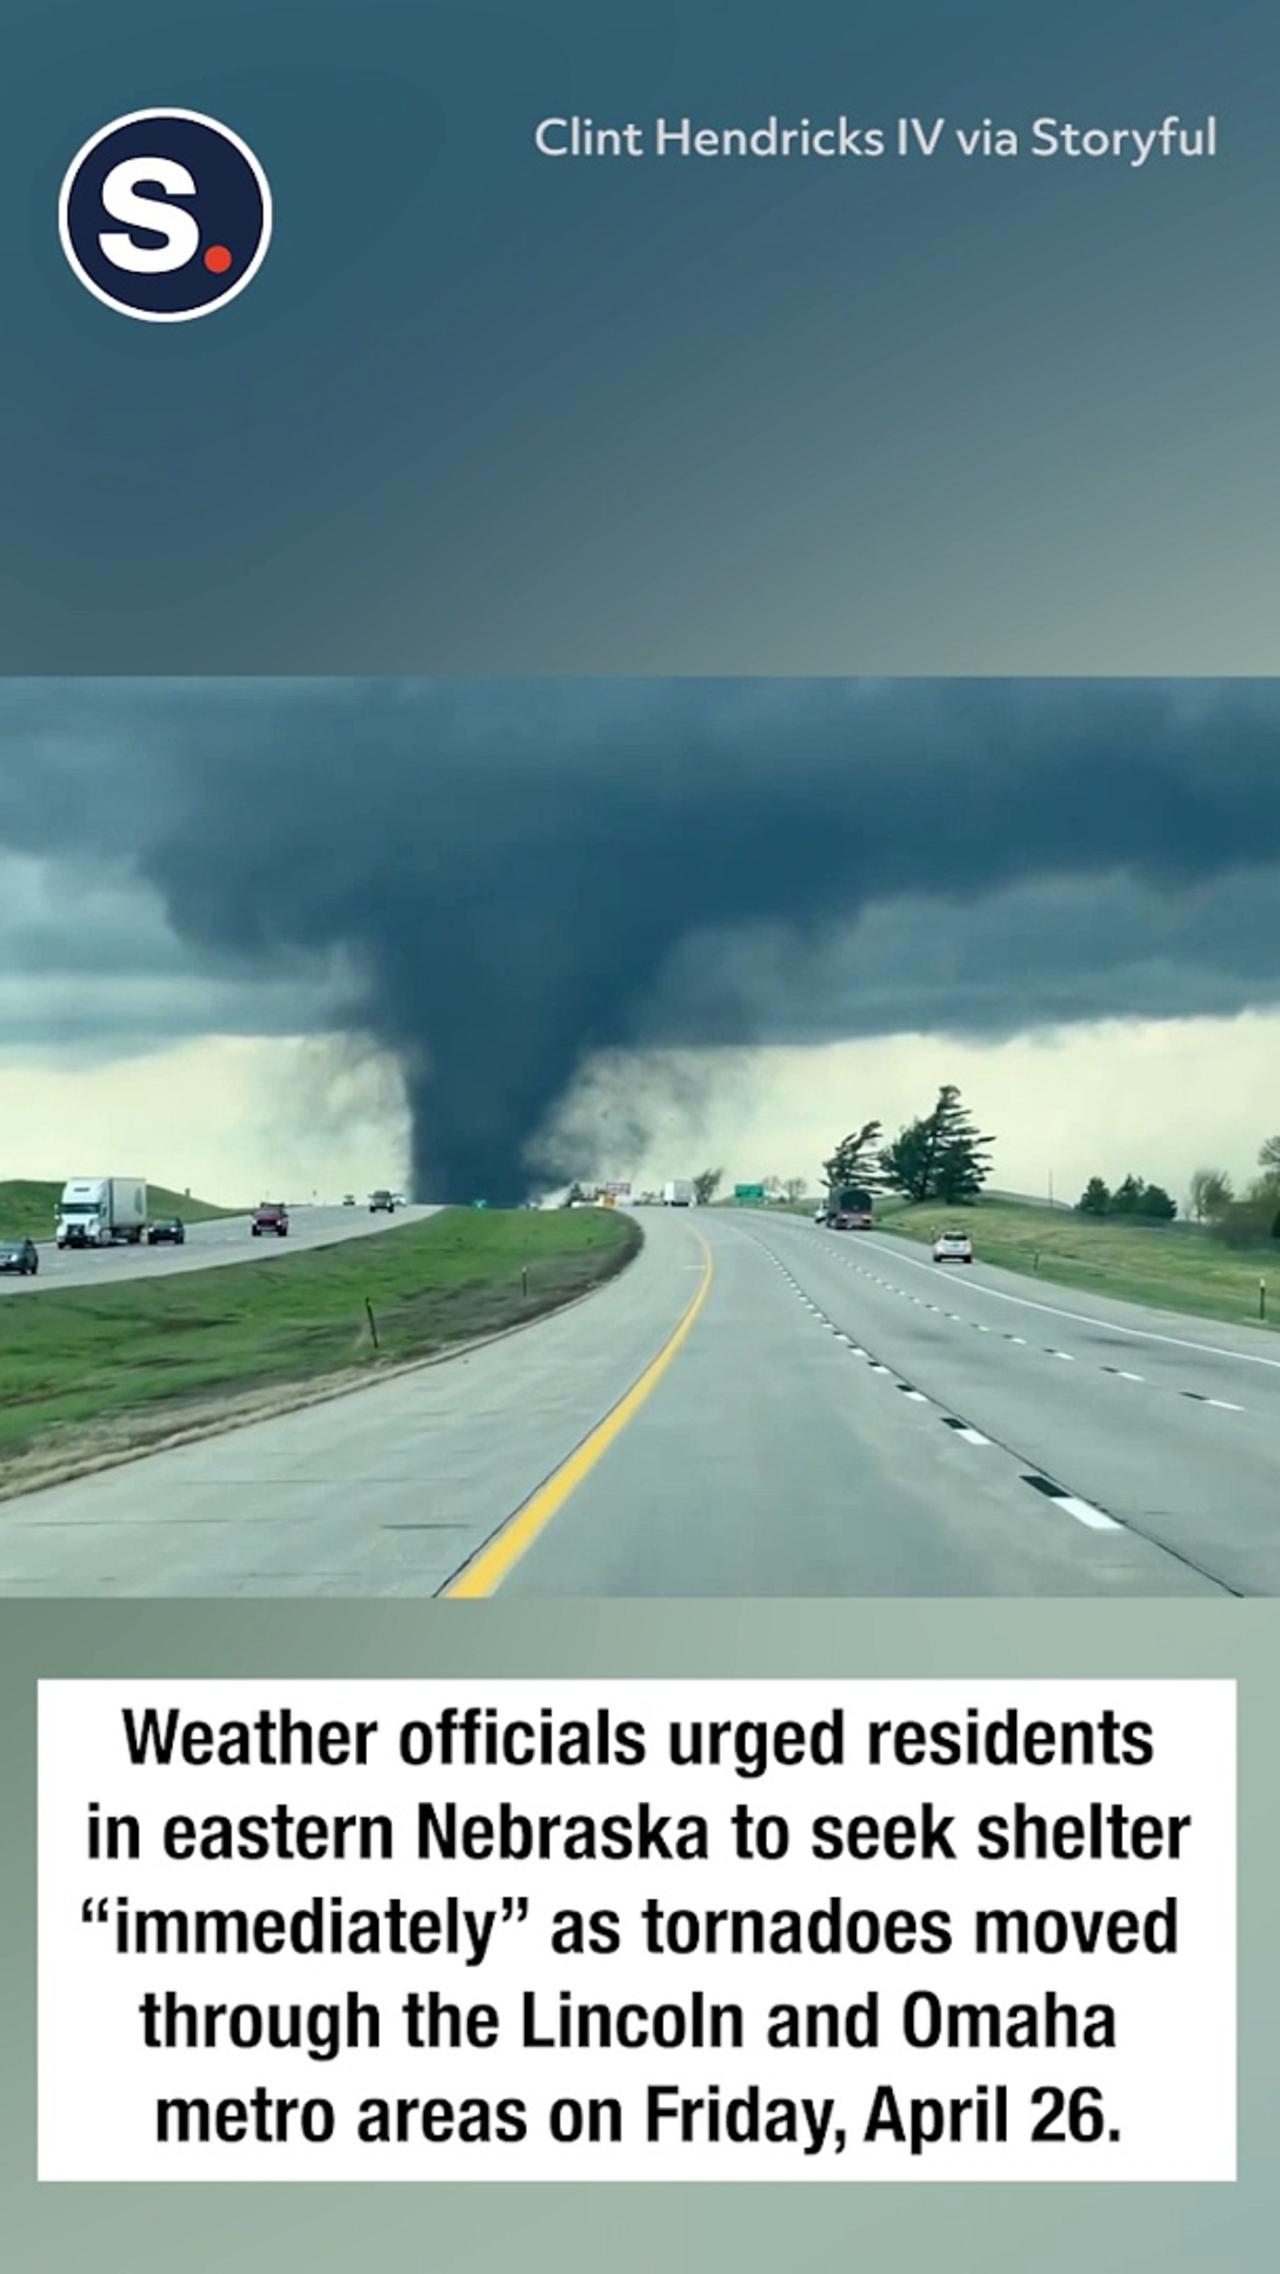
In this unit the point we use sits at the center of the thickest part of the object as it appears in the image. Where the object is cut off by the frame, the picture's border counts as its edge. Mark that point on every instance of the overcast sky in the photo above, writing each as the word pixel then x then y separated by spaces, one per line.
pixel 318 936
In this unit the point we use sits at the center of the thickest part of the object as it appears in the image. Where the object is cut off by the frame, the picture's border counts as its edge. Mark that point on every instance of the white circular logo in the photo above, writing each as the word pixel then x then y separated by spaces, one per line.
pixel 165 215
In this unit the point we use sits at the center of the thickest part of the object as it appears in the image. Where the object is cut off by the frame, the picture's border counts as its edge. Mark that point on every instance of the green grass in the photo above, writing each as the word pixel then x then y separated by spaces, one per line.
pixel 1175 1268
pixel 29 1205
pixel 129 1356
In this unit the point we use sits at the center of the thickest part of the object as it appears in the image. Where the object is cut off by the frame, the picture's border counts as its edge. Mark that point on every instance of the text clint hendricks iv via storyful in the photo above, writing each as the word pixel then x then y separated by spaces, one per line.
pixel 1132 146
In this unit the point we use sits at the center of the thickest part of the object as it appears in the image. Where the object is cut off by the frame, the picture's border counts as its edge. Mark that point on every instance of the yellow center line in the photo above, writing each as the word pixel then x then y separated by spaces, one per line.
pixel 484 1574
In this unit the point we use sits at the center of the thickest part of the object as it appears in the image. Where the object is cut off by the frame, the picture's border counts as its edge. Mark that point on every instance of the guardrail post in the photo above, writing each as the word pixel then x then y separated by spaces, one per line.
pixel 1262 1298
pixel 373 1324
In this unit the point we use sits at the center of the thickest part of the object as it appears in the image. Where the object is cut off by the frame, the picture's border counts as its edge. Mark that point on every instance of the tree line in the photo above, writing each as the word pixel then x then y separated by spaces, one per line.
pixel 943 1156
pixel 1246 1219
pixel 1134 1197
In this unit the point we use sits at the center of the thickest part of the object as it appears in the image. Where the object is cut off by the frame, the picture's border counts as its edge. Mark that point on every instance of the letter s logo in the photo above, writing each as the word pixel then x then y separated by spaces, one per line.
pixel 179 231
pixel 193 212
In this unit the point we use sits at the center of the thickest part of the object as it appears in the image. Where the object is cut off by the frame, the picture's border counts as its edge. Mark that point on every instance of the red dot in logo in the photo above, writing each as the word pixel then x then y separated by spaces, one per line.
pixel 218 259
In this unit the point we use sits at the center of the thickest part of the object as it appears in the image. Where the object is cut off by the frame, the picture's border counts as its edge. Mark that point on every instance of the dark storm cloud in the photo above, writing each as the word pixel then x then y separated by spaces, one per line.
pixel 1050 953
pixel 90 967
pixel 525 873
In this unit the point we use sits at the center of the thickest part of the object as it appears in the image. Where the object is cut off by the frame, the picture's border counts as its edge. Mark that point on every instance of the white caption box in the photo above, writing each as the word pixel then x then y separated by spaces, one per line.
pixel 925 2005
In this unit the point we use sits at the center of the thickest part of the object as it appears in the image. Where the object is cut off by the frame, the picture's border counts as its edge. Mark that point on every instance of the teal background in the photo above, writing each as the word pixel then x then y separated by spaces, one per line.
pixel 974 2229
pixel 485 412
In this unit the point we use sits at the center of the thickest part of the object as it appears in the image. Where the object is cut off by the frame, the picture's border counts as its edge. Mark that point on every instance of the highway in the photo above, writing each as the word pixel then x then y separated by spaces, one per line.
pixel 225 1239
pixel 756 1407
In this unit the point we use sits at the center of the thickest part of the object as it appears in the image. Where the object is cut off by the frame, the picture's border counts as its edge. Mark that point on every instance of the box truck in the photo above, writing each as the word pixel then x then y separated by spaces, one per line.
pixel 852 1209
pixel 101 1211
pixel 678 1194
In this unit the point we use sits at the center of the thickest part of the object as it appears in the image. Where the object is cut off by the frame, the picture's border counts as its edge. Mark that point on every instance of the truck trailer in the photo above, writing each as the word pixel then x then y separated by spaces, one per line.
pixel 102 1212
pixel 852 1210
pixel 678 1194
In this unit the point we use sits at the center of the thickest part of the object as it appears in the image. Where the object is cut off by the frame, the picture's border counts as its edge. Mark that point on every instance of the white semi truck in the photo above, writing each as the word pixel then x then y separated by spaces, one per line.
pixel 102 1211
pixel 679 1194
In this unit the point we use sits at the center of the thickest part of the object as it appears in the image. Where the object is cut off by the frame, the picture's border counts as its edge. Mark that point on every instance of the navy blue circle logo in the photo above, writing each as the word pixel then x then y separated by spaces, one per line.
pixel 165 215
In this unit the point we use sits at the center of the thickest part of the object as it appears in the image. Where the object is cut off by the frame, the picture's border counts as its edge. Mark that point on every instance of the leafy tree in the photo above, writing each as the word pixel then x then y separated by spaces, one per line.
pixel 854 1160
pixel 1264 1192
pixel 1127 1197
pixel 1135 1197
pixel 1210 1193
pixel 1095 1200
pixel 961 1169
pixel 942 1157
pixel 1251 1223
pixel 705 1186
pixel 573 1197
pixel 907 1164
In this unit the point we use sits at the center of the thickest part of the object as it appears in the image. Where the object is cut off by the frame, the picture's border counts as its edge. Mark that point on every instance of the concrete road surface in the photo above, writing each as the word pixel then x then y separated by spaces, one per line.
pixel 835 1416
pixel 227 1239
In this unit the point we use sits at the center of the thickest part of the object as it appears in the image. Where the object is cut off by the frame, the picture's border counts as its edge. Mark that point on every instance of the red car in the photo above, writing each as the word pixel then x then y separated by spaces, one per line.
pixel 272 1216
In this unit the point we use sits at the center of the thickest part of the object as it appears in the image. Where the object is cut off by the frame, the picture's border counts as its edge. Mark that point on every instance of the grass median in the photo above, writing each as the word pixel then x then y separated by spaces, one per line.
pixel 1172 1267
pixel 85 1372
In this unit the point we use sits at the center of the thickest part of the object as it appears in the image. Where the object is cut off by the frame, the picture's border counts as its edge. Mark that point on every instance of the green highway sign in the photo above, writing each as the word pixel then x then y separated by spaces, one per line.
pixel 748 1195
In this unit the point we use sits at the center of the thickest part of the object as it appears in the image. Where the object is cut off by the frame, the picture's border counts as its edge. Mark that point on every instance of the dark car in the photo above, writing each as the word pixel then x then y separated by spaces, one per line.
pixel 166 1231
pixel 21 1256
pixel 272 1216
pixel 382 1201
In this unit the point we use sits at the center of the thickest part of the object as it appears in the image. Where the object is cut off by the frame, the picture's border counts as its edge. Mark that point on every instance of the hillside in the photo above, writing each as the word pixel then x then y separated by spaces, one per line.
pixel 1176 1267
pixel 28 1206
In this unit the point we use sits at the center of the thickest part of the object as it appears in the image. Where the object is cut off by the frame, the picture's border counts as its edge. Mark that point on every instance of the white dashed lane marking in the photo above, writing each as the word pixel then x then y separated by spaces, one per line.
pixel 1083 1511
pixel 1019 1341
pixel 1071 1505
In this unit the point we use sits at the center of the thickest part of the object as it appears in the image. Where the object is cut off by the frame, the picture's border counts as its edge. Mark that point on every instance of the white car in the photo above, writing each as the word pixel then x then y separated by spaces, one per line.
pixel 953 1247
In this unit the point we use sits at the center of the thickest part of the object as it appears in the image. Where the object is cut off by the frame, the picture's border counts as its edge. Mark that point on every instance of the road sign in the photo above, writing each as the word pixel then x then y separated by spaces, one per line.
pixel 748 1195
